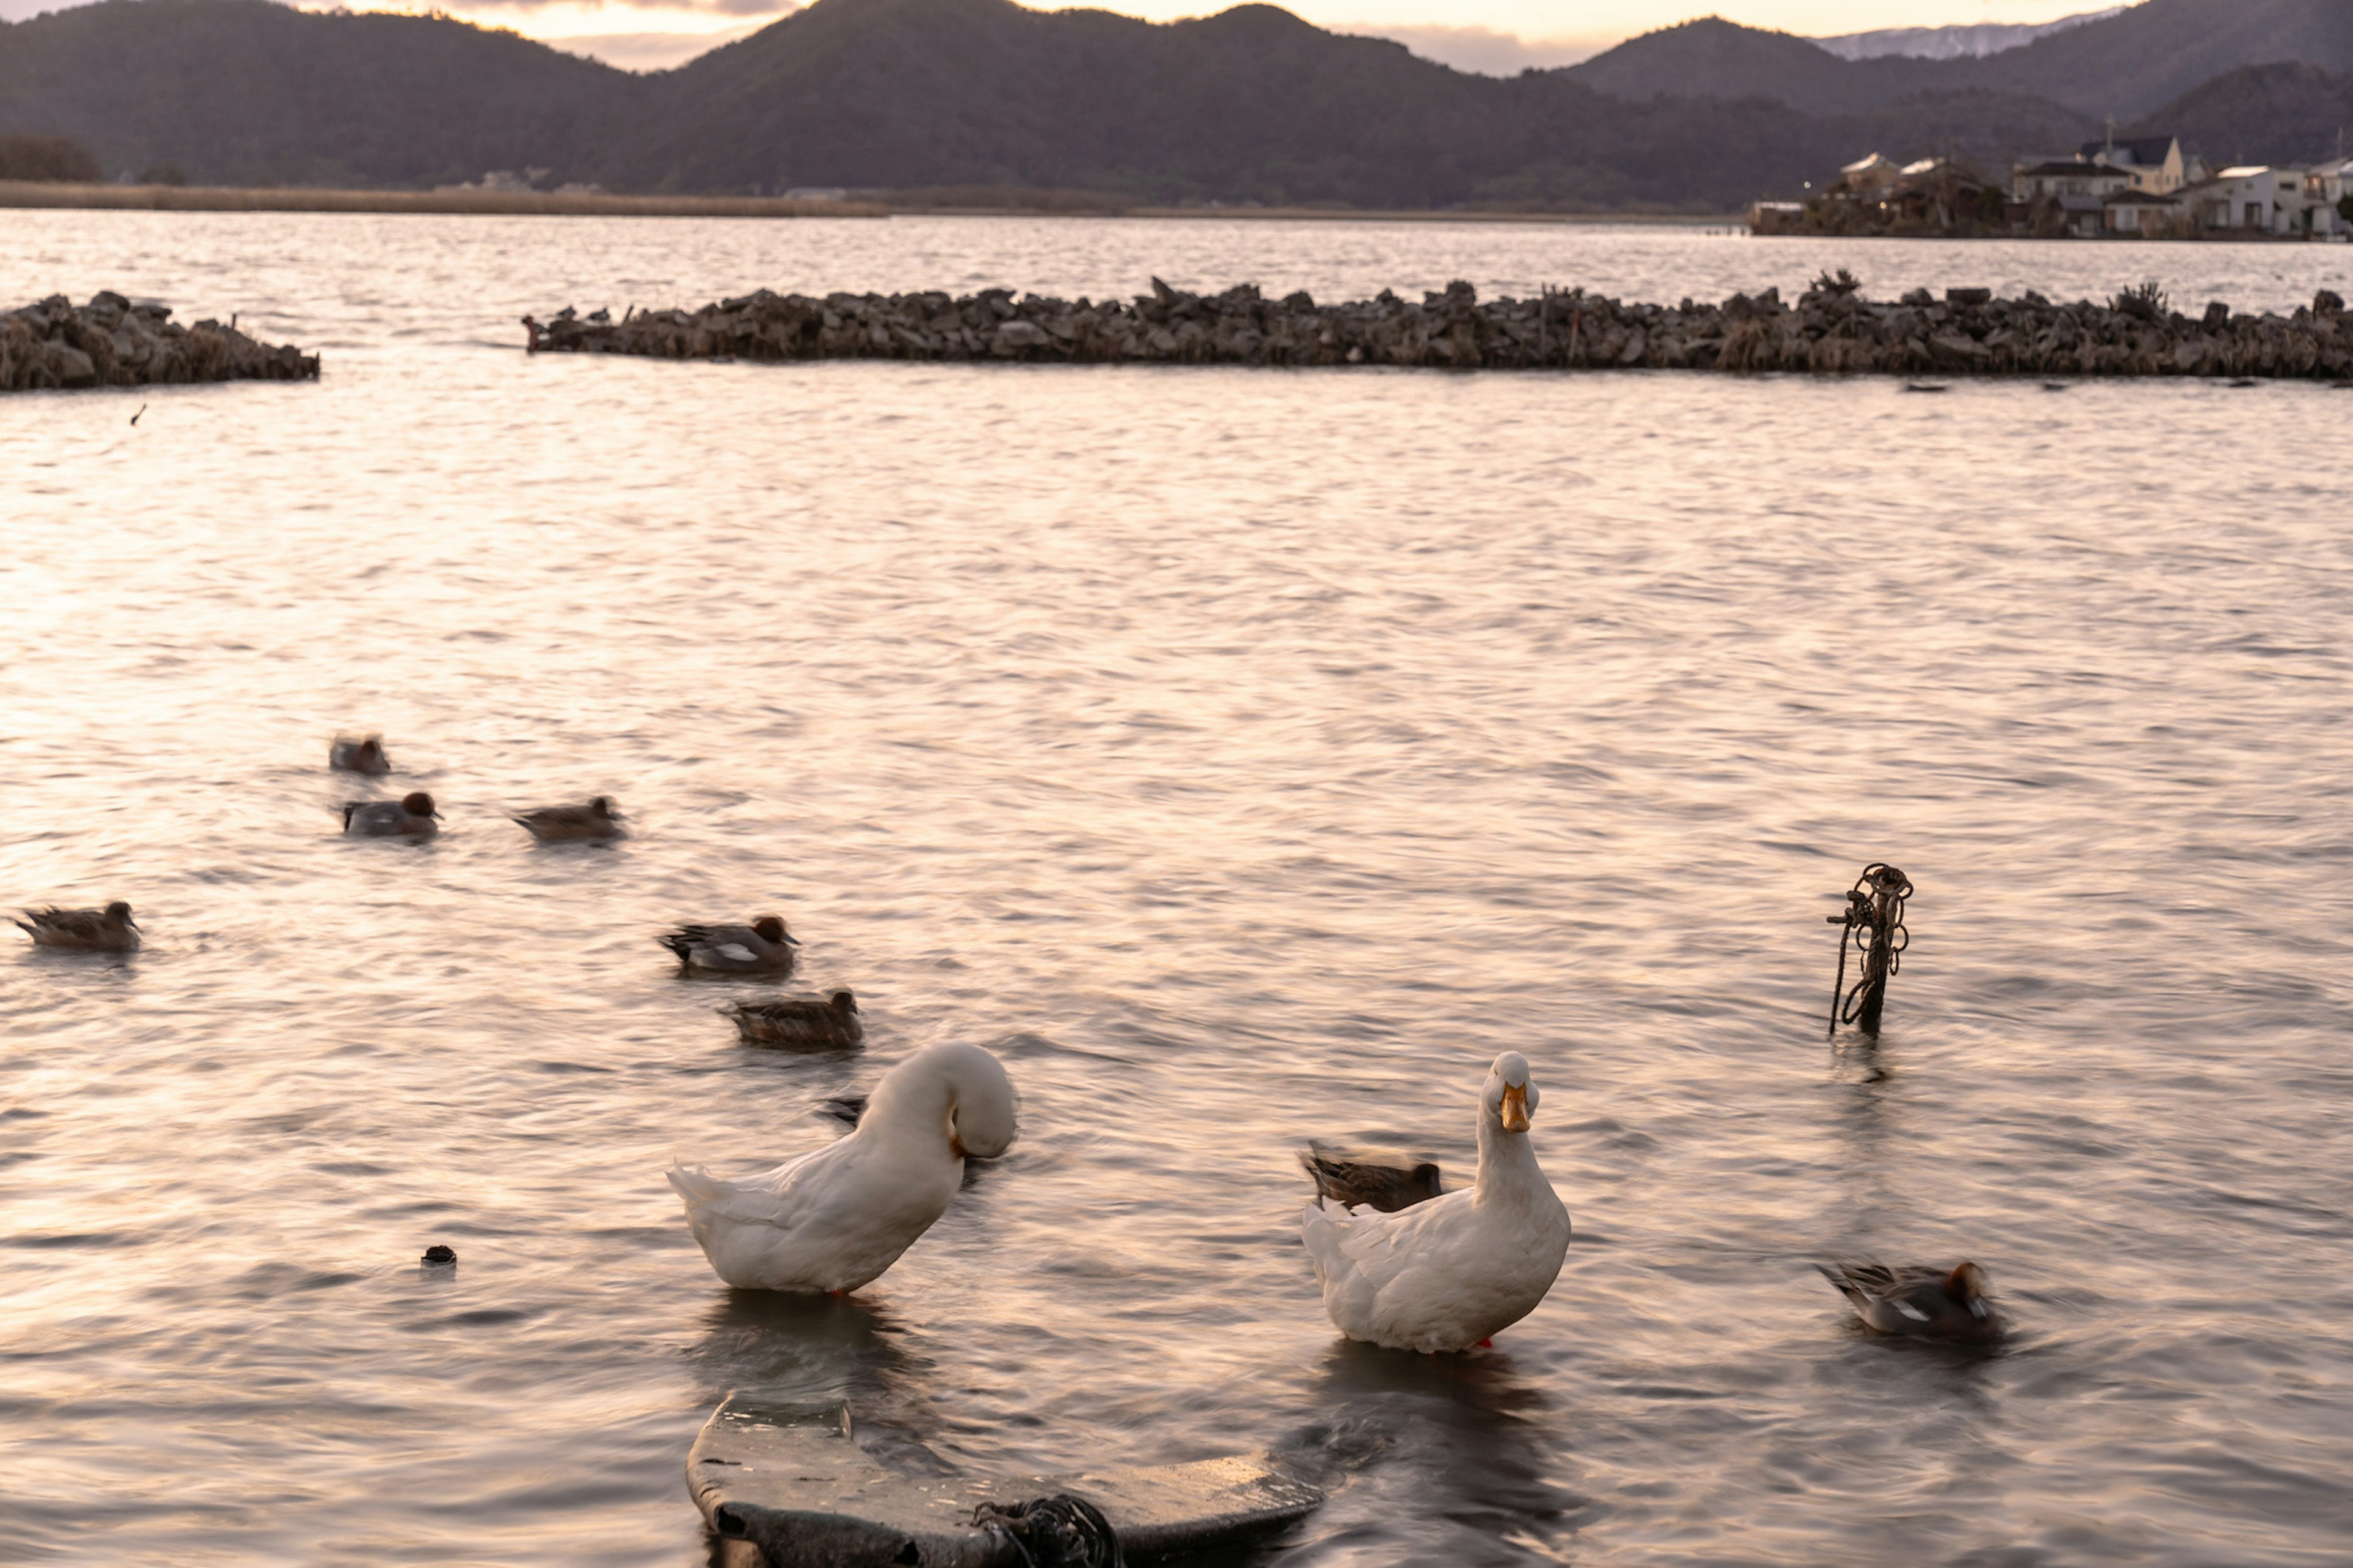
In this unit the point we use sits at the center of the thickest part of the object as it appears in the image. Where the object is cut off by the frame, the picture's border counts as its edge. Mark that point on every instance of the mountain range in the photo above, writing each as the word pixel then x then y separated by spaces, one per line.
pixel 1966 39
pixel 2130 65
pixel 1252 105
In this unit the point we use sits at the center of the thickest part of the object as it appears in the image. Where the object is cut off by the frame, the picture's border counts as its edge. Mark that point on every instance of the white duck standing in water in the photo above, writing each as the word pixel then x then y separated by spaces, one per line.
pixel 1453 1270
pixel 833 1220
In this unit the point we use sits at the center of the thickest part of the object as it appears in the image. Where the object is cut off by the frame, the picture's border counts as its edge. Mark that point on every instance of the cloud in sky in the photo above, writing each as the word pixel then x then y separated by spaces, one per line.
pixel 1487 51
pixel 651 51
pixel 636 35
pixel 606 14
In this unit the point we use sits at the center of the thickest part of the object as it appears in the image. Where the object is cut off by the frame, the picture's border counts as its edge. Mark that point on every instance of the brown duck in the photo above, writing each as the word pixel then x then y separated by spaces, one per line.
pixel 359 754
pixel 110 930
pixel 808 1023
pixel 573 823
pixel 1371 1179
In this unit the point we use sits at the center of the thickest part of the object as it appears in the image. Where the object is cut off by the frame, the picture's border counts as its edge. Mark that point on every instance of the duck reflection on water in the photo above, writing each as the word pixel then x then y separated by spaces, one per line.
pixel 1478 1430
pixel 793 1351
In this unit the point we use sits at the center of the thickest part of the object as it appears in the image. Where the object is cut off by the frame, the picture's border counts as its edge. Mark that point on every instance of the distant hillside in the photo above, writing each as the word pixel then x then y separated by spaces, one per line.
pixel 2264 114
pixel 1252 105
pixel 244 91
pixel 1711 57
pixel 2128 65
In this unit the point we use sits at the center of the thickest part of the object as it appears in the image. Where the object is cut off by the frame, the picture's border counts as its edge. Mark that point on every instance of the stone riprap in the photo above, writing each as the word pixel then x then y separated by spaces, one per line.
pixel 113 343
pixel 1831 329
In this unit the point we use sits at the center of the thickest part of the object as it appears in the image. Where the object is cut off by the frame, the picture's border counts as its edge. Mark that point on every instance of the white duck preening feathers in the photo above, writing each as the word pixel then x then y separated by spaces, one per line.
pixel 834 1219
pixel 1451 1272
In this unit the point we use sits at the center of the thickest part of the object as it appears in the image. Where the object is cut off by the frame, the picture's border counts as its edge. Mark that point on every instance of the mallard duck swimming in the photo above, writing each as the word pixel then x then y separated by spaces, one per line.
pixel 410 816
pixel 1451 1271
pixel 764 947
pixel 1356 1178
pixel 1921 1303
pixel 565 823
pixel 808 1022
pixel 832 1220
pixel 110 930
pixel 361 754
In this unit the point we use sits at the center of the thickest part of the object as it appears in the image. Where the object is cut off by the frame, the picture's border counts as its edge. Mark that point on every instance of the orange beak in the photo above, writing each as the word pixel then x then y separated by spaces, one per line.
pixel 1515 1107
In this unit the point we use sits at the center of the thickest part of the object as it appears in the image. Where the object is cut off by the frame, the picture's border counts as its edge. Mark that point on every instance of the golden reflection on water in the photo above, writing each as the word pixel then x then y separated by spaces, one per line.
pixel 1244 758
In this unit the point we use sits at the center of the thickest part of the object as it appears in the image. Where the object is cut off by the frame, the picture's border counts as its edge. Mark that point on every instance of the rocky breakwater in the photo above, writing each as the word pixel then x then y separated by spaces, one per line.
pixel 113 343
pixel 1831 329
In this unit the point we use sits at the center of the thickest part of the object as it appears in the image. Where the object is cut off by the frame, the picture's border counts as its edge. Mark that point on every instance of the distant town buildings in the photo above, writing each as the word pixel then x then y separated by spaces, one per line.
pixel 2153 163
pixel 2142 186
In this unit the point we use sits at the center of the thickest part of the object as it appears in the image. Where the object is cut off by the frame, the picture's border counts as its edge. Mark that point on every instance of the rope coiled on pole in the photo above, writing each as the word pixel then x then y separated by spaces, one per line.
pixel 1873 920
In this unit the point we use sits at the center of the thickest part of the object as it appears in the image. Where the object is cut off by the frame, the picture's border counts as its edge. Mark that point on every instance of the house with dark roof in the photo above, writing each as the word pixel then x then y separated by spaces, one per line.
pixel 2077 189
pixel 2154 162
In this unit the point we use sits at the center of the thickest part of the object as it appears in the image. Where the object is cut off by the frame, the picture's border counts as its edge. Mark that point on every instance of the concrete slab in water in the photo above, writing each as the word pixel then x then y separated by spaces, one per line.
pixel 795 1485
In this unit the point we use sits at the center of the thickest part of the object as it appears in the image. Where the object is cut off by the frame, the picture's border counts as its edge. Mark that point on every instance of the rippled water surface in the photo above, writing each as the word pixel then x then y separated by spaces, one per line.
pixel 1243 756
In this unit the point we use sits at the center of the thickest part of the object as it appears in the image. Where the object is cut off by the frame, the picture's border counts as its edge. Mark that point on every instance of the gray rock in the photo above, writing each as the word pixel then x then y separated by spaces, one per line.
pixel 1831 330
pixel 113 342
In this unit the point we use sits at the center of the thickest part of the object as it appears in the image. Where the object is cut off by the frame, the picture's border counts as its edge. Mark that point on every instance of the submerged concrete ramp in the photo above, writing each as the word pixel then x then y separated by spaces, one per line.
pixel 794 1485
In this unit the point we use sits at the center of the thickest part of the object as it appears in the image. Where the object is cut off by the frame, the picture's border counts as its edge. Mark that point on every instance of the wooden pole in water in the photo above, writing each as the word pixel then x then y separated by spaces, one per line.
pixel 1874 918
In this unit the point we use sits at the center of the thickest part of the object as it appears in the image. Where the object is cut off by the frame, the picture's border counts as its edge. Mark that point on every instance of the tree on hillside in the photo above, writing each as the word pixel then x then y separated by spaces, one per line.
pixel 55 158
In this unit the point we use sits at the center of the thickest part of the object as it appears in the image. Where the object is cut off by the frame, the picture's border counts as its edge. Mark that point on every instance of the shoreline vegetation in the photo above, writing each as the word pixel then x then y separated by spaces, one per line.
pixel 982 201
pixel 306 199
pixel 1831 330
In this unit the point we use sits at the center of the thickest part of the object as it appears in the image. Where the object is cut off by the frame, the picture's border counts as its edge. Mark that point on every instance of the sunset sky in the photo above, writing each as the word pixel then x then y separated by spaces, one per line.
pixel 1490 35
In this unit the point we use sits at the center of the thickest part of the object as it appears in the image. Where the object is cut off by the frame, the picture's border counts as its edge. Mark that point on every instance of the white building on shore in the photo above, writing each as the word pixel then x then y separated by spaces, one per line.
pixel 2269 198
pixel 2147 186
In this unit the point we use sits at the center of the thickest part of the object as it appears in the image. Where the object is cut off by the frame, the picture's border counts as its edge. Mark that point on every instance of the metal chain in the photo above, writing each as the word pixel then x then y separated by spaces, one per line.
pixel 1058 1531
pixel 1861 922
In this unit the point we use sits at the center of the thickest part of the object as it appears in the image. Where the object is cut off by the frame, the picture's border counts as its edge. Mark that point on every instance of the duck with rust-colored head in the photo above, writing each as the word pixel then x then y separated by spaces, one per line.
pixel 592 823
pixel 804 1022
pixel 764 947
pixel 410 816
pixel 1948 1304
pixel 110 930
pixel 359 754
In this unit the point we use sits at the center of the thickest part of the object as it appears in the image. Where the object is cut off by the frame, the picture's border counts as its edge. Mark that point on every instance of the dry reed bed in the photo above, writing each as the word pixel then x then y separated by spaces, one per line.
pixel 1832 329
pixel 212 198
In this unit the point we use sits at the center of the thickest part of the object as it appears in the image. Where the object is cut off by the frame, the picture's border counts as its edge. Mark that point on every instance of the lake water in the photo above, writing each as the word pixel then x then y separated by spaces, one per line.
pixel 1244 756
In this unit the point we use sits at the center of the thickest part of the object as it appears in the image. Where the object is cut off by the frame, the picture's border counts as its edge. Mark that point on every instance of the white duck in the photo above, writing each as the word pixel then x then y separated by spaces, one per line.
pixel 1451 1271
pixel 832 1220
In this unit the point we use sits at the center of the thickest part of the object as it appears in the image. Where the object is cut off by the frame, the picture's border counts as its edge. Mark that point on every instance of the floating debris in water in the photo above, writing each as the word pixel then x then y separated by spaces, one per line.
pixel 436 1253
